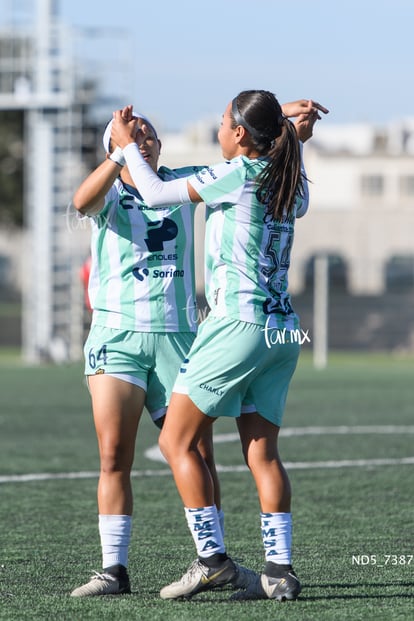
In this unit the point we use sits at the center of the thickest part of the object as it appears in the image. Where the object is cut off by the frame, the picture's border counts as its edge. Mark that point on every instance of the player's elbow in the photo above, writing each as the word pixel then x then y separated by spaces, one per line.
pixel 85 207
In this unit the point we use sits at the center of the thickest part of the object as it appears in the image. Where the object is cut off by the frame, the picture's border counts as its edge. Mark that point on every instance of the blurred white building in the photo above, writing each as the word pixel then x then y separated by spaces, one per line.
pixel 361 216
pixel 362 196
pixel 362 202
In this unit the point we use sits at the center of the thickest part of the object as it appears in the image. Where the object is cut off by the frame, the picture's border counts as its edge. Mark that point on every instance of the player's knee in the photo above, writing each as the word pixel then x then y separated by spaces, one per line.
pixel 164 445
pixel 115 461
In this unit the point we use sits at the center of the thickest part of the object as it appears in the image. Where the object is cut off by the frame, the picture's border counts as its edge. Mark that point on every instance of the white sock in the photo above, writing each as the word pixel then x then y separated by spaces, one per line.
pixel 220 514
pixel 115 532
pixel 277 537
pixel 205 528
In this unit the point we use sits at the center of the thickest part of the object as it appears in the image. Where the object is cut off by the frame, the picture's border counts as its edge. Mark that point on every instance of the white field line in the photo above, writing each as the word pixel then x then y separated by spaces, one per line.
pixel 289 432
pixel 154 454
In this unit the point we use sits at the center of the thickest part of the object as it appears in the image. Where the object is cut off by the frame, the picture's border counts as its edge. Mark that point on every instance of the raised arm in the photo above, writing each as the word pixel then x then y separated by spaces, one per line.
pixel 300 106
pixel 89 197
pixel 305 122
pixel 154 191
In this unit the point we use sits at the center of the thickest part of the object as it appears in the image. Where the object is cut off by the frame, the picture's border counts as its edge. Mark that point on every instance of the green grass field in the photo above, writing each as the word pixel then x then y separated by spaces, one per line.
pixel 352 501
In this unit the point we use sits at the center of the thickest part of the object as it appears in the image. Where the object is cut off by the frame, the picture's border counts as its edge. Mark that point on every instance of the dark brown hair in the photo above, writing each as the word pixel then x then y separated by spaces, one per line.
pixel 275 137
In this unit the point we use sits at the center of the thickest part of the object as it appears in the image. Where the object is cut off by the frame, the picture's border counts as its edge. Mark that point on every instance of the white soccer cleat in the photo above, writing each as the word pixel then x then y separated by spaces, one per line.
pixel 199 577
pixel 287 587
pixel 103 584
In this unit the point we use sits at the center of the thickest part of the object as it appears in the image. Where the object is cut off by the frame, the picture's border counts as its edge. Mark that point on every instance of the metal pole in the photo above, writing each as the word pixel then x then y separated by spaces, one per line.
pixel 320 312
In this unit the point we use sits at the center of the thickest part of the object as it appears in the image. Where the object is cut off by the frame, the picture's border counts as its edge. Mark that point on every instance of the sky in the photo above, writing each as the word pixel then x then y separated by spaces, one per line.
pixel 182 61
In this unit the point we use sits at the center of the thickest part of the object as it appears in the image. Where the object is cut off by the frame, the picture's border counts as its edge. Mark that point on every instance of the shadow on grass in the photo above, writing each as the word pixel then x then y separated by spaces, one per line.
pixel 208 598
pixel 357 587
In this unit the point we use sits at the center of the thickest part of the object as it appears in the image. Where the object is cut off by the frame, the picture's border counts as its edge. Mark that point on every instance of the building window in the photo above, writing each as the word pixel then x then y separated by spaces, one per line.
pixel 372 185
pixel 399 272
pixel 407 185
pixel 337 272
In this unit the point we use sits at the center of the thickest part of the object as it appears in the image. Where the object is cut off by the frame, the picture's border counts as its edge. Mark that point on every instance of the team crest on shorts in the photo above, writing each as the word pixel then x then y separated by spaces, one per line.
pixel 99 371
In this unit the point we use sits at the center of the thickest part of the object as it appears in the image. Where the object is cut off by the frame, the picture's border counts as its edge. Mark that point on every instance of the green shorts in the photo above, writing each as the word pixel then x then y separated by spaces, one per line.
pixel 150 360
pixel 231 363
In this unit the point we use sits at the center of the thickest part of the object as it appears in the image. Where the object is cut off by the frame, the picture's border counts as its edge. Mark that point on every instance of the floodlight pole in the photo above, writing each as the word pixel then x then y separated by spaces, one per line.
pixel 37 299
pixel 40 129
pixel 40 76
pixel 43 86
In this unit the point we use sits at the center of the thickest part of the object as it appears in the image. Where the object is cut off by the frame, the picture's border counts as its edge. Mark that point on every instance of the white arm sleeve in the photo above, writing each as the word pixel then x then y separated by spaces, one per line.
pixel 156 193
pixel 305 199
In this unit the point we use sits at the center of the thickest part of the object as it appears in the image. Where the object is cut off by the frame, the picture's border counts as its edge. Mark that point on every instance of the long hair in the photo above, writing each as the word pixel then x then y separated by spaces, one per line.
pixel 275 137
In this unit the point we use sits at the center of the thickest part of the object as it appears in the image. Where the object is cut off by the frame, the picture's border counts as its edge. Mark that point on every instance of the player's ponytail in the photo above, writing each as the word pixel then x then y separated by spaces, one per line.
pixel 275 137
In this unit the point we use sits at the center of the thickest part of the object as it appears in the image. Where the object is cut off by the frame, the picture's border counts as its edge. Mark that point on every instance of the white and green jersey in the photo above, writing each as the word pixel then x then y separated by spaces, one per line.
pixel 247 254
pixel 142 272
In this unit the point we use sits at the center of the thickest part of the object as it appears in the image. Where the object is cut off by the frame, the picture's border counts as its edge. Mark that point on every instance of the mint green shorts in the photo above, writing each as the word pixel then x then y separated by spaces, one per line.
pixel 150 360
pixel 230 363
